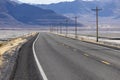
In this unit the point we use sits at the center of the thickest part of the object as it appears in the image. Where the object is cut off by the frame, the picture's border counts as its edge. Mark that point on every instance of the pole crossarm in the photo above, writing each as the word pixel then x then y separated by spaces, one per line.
pixel 96 9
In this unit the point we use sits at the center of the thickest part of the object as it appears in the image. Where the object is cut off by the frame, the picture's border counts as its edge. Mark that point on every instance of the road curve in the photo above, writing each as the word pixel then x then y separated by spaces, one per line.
pixel 26 68
pixel 66 59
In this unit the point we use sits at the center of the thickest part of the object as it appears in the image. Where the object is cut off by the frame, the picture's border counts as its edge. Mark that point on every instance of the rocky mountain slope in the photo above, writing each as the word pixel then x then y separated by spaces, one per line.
pixel 12 13
pixel 110 8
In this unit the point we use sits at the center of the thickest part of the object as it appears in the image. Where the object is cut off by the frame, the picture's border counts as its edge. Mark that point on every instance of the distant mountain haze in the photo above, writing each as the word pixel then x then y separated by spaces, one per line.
pixel 110 8
pixel 15 13
pixel 5 18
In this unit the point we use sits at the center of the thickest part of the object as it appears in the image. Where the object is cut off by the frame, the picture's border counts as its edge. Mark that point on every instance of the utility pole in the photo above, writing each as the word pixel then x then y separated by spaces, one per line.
pixel 50 28
pixel 97 13
pixel 66 27
pixel 60 28
pixel 57 29
pixel 76 31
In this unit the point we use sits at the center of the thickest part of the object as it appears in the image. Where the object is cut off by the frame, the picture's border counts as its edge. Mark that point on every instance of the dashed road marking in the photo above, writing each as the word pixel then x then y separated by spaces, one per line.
pixel 105 62
pixel 86 55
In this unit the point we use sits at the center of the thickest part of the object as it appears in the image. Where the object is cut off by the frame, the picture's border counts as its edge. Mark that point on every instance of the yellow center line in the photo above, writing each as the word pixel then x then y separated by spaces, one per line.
pixel 86 54
pixel 105 62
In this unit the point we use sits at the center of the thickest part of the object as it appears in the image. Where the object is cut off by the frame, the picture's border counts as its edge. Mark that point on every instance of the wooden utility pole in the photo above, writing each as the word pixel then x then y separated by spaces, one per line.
pixel 50 28
pixel 60 28
pixel 97 29
pixel 66 27
pixel 57 29
pixel 76 31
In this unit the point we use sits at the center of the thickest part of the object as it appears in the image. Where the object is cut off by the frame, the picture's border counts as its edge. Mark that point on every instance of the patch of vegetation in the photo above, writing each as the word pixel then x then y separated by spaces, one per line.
pixel 1 44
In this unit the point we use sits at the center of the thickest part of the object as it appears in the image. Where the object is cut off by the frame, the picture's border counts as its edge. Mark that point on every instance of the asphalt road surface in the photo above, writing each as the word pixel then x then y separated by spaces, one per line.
pixel 26 68
pixel 67 59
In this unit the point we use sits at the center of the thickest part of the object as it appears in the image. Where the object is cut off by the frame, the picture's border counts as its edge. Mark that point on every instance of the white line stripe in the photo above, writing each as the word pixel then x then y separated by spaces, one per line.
pixel 37 61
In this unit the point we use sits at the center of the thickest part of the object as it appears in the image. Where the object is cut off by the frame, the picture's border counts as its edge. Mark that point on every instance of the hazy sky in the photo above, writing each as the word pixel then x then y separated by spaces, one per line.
pixel 43 1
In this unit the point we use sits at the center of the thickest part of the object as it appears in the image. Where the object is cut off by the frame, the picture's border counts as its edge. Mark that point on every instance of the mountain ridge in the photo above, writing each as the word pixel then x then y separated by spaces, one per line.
pixel 84 7
pixel 13 13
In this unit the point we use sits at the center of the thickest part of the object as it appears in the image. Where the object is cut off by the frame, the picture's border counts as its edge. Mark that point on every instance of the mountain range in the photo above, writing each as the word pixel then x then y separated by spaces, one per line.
pixel 110 8
pixel 12 13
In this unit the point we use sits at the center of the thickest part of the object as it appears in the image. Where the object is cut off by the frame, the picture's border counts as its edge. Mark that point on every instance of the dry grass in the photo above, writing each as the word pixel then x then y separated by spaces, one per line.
pixel 0 44
pixel 6 46
pixel 1 62
pixel 9 45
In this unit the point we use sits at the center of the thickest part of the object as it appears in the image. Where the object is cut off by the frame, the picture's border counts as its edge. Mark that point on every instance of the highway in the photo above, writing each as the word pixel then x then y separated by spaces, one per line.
pixel 67 59
pixel 26 68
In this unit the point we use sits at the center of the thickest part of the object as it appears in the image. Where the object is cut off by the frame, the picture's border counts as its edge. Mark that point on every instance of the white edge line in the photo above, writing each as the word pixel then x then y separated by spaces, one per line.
pixel 37 61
